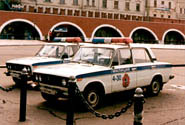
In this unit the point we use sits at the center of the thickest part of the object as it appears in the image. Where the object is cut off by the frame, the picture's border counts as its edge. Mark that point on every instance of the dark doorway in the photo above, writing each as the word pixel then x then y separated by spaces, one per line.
pixel 19 30
pixel 107 32
pixel 143 36
pixel 173 37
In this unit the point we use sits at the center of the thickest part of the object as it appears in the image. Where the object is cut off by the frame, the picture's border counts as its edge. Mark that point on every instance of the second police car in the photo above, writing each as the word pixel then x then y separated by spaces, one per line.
pixel 102 69
pixel 49 54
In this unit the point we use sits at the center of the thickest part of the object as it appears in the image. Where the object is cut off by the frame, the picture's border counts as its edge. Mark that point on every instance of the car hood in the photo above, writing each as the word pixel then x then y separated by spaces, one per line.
pixel 74 69
pixel 35 61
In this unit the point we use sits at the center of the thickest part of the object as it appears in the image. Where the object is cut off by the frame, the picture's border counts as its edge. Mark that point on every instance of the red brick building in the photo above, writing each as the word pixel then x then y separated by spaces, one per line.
pixel 40 25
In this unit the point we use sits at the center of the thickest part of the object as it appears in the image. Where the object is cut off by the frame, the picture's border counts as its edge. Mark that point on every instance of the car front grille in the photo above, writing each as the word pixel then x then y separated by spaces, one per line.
pixel 50 79
pixel 17 67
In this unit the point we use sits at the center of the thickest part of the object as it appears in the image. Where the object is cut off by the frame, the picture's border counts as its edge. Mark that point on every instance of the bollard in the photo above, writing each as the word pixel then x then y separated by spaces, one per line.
pixel 23 98
pixel 138 106
pixel 71 91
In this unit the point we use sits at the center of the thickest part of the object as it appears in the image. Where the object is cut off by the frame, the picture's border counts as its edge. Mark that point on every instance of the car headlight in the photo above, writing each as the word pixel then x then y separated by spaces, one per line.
pixel 36 77
pixel 28 69
pixel 9 66
pixel 40 78
pixel 64 83
pixel 24 70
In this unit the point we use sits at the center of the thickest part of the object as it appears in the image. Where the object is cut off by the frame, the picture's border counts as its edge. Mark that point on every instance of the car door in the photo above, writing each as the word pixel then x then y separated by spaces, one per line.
pixel 144 66
pixel 123 78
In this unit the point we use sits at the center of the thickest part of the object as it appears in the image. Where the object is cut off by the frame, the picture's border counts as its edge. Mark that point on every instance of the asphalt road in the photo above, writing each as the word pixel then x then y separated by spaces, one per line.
pixel 168 108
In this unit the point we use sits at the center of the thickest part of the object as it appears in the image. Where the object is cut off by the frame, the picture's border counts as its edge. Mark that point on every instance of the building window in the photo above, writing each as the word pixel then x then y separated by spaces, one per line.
pixel 137 7
pixel 162 16
pixel 169 16
pixel 162 2
pixel 62 1
pixel 116 3
pixel 169 5
pixel 155 3
pixel 47 0
pixel 127 6
pixel 104 4
pixel 180 10
pixel 87 3
pixel 155 15
pixel 93 3
pixel 75 2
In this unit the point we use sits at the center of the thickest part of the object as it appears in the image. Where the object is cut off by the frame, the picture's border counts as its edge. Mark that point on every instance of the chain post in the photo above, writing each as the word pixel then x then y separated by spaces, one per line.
pixel 71 91
pixel 138 106
pixel 23 97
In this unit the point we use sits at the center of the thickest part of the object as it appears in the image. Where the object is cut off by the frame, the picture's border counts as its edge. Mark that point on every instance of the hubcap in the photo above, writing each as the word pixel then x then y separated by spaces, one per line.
pixel 155 87
pixel 93 99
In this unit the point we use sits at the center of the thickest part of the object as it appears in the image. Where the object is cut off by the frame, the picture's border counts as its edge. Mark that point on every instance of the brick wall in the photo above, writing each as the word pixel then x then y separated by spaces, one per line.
pixel 46 21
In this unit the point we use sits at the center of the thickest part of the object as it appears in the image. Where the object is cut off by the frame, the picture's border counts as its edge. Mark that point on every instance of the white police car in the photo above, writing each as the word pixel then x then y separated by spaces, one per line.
pixel 102 69
pixel 49 54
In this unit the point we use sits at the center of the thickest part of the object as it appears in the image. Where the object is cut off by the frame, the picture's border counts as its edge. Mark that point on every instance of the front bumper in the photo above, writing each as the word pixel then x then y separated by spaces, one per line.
pixel 17 74
pixel 60 92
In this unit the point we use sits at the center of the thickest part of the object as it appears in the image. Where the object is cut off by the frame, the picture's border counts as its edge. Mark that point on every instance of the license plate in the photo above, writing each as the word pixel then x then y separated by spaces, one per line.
pixel 16 75
pixel 48 91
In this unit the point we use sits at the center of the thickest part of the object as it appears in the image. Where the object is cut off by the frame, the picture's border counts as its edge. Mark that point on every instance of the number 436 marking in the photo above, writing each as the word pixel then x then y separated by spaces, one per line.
pixel 116 78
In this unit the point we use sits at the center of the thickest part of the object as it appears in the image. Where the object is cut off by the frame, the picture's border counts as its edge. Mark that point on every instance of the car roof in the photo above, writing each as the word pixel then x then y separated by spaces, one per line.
pixel 116 46
pixel 104 45
pixel 61 43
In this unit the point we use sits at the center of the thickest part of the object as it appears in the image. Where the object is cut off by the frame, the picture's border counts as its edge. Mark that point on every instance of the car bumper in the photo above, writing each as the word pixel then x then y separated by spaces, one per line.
pixel 57 91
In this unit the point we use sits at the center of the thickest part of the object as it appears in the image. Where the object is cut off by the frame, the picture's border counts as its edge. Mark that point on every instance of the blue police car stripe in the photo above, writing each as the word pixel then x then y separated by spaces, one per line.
pixel 143 68
pixel 122 70
pixel 47 63
pixel 94 74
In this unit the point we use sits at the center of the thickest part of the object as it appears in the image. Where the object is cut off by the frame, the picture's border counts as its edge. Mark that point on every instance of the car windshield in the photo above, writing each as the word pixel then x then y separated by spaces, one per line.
pixel 97 56
pixel 51 51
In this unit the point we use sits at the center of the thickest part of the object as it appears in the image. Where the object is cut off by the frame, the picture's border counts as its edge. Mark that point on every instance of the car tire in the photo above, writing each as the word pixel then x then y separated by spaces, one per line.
pixel 49 98
pixel 155 87
pixel 93 97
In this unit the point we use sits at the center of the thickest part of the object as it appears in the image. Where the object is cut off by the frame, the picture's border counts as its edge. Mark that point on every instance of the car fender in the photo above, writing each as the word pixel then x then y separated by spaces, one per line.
pixel 82 86
pixel 157 75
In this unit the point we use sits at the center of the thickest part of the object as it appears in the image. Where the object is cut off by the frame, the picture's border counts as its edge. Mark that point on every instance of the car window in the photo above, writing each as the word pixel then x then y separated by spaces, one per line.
pixel 69 51
pixel 74 48
pixel 98 56
pixel 140 55
pixel 125 56
pixel 51 51
pixel 115 60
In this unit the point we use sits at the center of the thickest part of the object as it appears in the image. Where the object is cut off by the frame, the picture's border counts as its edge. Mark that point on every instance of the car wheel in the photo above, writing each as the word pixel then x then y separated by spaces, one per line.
pixel 48 97
pixel 155 87
pixel 93 97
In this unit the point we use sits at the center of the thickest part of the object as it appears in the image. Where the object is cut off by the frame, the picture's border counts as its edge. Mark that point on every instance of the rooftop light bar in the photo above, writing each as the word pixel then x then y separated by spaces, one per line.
pixel 125 40
pixel 68 39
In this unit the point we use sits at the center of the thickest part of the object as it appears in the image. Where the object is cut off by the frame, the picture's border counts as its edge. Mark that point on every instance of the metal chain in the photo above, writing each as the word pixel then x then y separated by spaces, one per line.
pixel 98 114
pixel 8 89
